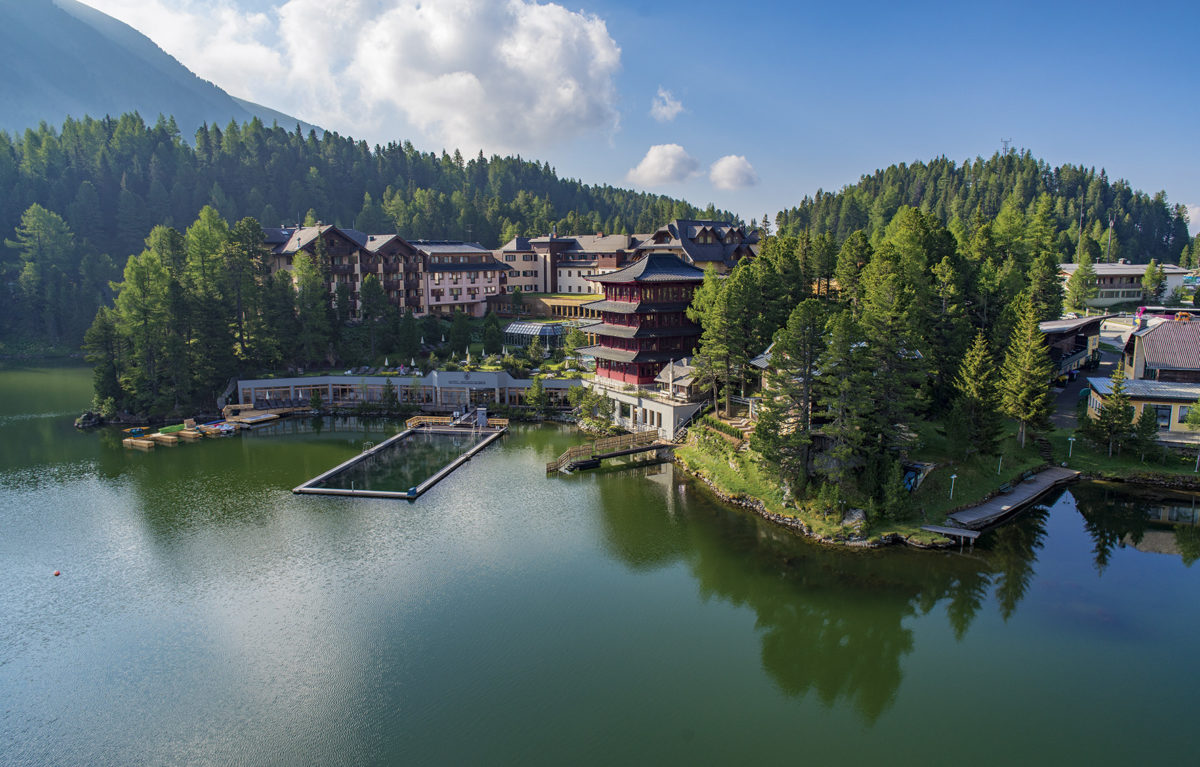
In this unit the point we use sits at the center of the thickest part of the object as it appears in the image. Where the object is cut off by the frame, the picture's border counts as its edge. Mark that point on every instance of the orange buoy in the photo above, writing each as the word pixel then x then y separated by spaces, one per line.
pixel 56 573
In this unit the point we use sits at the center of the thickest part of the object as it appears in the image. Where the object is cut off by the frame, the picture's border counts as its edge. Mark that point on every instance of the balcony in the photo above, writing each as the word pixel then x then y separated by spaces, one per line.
pixel 393 284
pixel 342 268
pixel 391 268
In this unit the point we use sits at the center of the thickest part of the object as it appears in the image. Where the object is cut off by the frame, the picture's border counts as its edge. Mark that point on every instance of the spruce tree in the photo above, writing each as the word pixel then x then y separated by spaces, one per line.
pixel 1115 420
pixel 782 433
pixel 1025 375
pixel 978 424
pixel 844 397
pixel 1145 432
pixel 1082 285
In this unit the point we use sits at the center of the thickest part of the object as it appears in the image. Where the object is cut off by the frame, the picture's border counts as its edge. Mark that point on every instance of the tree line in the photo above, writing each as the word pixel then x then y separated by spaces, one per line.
pixel 1106 219
pixel 112 180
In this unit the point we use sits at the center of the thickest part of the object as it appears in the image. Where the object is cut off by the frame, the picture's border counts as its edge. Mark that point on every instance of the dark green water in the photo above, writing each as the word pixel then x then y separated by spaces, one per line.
pixel 205 615
pixel 404 464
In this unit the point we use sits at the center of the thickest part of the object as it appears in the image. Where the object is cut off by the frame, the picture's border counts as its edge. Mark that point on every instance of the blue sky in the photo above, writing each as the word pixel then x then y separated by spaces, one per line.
pixel 795 96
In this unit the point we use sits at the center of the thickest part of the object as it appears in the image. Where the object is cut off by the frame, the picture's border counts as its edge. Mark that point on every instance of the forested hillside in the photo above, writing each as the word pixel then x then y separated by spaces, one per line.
pixel 113 180
pixel 1005 187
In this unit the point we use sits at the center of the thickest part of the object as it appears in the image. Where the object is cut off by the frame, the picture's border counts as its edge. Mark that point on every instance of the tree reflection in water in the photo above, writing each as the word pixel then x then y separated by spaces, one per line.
pixel 1120 515
pixel 832 621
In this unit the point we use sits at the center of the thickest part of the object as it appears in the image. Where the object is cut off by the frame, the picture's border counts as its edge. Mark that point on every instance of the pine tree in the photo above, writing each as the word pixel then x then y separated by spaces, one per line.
pixel 1145 432
pixel 1025 375
pixel 1115 420
pixel 781 434
pixel 1153 281
pixel 1082 285
pixel 844 397
pixel 374 303
pixel 311 309
pixel 978 424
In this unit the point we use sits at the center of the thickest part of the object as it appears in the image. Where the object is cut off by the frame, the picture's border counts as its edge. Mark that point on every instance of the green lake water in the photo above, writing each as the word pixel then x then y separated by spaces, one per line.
pixel 206 615
pixel 402 465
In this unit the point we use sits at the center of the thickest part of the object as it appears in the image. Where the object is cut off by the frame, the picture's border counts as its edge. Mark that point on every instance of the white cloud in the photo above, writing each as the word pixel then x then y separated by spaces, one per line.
pixel 663 164
pixel 1194 218
pixel 665 107
pixel 732 171
pixel 501 75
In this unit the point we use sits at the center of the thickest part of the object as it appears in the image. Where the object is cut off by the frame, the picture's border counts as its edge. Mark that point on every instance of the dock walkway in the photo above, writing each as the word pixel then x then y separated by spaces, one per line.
pixel 1022 495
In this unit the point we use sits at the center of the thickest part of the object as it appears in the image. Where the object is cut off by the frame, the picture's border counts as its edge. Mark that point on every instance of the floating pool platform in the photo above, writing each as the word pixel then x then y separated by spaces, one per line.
pixel 420 425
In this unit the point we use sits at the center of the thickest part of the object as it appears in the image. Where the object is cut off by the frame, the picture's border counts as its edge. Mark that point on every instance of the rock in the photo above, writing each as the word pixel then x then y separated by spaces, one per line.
pixel 88 420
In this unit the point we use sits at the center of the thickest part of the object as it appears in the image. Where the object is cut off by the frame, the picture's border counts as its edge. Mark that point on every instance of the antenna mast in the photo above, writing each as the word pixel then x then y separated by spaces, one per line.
pixel 1005 142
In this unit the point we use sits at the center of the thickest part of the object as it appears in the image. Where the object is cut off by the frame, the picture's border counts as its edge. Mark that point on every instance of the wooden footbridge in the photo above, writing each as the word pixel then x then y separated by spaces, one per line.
pixel 590 454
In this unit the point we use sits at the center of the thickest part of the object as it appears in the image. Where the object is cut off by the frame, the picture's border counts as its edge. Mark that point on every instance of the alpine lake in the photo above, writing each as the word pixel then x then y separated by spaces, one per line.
pixel 206 615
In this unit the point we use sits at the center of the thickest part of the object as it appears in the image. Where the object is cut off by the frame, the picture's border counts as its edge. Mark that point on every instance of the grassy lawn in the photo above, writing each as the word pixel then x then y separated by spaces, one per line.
pixel 1128 465
pixel 978 476
pixel 976 479
pixel 748 480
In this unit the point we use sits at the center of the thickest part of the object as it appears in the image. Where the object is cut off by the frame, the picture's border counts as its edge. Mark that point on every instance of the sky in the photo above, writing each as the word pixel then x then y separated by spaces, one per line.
pixel 750 105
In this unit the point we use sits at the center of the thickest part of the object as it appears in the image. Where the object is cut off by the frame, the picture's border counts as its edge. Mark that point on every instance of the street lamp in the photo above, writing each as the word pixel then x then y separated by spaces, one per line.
pixel 952 478
pixel 1070 446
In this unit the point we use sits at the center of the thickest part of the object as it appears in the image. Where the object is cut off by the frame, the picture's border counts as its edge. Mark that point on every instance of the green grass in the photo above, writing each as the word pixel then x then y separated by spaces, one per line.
pixel 978 476
pixel 1126 466
pixel 748 480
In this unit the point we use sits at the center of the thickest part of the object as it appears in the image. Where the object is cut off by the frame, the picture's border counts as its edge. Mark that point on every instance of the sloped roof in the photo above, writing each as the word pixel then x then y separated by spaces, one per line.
pixel 452 247
pixel 1065 326
pixel 1123 270
pixel 678 372
pixel 655 267
pixel 1171 346
pixel 680 236
pixel 1139 389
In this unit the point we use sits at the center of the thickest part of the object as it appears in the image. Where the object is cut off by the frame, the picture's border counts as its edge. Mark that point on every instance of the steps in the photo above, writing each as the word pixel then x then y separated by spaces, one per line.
pixel 1044 449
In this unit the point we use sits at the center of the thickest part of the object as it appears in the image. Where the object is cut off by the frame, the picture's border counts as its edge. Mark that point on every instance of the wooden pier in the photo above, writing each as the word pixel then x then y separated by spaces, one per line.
pixel 1003 505
pixel 589 455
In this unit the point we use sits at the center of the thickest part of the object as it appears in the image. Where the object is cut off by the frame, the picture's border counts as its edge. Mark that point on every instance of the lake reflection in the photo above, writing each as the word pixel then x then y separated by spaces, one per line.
pixel 207 615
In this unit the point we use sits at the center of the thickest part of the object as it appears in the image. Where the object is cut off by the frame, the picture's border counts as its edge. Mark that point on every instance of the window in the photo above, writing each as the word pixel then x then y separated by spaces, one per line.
pixel 1164 415
pixel 1183 413
pixel 510 257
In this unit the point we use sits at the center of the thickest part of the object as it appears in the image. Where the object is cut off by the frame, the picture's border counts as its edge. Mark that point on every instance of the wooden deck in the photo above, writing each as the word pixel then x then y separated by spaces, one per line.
pixel 1005 504
pixel 590 454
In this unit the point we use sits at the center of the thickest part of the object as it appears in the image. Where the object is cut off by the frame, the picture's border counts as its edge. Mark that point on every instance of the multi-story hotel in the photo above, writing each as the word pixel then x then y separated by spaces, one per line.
pixel 439 276
pixel 426 276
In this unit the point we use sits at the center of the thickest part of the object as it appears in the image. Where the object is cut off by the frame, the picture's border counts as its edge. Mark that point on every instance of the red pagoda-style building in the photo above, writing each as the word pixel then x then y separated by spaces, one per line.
pixel 644 319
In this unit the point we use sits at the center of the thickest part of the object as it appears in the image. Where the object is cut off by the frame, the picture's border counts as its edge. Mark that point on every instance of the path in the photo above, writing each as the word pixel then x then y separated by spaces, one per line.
pixel 1064 404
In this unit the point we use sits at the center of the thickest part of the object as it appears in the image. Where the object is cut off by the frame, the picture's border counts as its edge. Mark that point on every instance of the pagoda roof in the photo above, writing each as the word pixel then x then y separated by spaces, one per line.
pixel 655 267
pixel 641 307
pixel 633 331
pixel 626 355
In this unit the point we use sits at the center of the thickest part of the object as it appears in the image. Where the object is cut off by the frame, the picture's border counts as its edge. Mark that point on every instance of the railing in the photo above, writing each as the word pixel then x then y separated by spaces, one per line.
pixel 602 447
pixel 428 420
pixel 341 268
pixel 1066 363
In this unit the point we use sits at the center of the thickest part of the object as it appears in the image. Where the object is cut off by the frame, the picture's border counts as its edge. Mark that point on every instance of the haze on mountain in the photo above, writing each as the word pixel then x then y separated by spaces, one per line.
pixel 63 58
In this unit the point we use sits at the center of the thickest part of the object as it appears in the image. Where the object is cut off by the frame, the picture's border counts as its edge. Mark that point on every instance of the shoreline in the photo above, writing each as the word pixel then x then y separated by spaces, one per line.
pixel 797 525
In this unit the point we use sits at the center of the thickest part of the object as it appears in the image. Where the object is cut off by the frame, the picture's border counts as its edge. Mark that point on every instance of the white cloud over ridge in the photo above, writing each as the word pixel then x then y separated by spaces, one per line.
pixel 501 75
pixel 731 172
pixel 1193 219
pixel 663 164
pixel 664 107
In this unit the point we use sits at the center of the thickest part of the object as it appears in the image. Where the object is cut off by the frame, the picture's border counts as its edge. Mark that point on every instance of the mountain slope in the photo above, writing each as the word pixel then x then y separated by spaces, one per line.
pixel 65 58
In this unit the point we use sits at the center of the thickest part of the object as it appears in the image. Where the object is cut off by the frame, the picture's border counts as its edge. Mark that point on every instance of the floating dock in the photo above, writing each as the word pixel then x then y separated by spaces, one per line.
pixel 495 429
